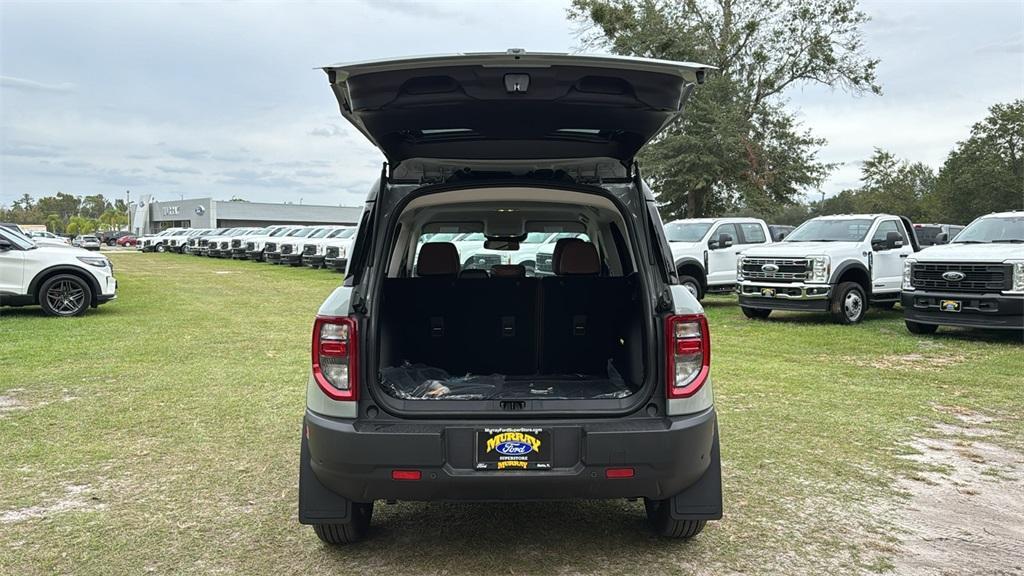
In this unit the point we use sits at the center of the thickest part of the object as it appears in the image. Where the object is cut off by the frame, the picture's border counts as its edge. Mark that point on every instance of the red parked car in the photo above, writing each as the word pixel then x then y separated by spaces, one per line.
pixel 127 241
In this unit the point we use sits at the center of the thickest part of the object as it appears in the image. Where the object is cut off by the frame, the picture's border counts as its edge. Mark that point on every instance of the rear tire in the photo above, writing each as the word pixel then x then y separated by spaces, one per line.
pixel 663 523
pixel 692 286
pixel 918 328
pixel 849 303
pixel 354 530
pixel 755 313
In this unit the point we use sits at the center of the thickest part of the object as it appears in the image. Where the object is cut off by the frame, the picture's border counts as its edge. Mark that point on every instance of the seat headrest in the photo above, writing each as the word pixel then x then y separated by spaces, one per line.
pixel 509 271
pixel 438 259
pixel 579 259
pixel 556 255
pixel 474 273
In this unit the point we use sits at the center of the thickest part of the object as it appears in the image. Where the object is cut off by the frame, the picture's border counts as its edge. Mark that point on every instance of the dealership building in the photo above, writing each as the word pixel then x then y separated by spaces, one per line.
pixel 149 216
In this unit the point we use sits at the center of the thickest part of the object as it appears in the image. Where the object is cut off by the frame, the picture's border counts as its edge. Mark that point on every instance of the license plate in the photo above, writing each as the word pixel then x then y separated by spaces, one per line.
pixel 513 449
pixel 768 292
pixel 949 305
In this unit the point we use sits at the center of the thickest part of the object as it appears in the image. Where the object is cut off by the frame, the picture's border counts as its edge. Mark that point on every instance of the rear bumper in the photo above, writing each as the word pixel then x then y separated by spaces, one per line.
pixel 994 311
pixel 354 459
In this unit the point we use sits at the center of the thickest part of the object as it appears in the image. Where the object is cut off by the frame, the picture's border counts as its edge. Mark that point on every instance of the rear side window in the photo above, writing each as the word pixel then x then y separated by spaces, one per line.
pixel 752 233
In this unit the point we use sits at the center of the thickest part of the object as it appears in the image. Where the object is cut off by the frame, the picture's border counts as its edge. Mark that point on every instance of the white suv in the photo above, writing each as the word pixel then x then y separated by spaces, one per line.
pixel 835 264
pixel 704 250
pixel 63 281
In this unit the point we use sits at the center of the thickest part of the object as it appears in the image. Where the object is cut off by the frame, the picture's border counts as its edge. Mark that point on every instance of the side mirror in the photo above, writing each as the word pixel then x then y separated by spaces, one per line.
pixel 724 240
pixel 942 238
pixel 5 244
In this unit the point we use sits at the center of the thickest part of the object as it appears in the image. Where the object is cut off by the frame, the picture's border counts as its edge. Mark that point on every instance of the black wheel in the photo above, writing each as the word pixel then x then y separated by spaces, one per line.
pixel 849 303
pixel 665 525
pixel 692 286
pixel 65 295
pixel 883 305
pixel 918 328
pixel 755 313
pixel 348 532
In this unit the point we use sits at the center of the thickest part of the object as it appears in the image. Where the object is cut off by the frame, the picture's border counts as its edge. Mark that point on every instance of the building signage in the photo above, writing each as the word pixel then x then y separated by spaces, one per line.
pixel 171 210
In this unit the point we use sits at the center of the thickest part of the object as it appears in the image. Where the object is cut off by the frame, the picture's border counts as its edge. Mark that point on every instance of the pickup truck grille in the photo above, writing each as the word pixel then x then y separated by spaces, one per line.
pixel 789 269
pixel 309 249
pixel 286 248
pixel 271 247
pixel 332 252
pixel 224 245
pixel 192 242
pixel 977 277
pixel 204 242
pixel 174 242
pixel 544 263
pixel 236 243
pixel 481 262
pixel 250 246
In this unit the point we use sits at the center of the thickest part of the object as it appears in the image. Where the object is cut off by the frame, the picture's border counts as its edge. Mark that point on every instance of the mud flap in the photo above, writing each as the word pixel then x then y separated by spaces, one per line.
pixel 317 504
pixel 702 500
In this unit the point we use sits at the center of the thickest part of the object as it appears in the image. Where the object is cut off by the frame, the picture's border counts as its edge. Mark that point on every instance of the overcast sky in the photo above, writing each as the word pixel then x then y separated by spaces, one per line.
pixel 223 100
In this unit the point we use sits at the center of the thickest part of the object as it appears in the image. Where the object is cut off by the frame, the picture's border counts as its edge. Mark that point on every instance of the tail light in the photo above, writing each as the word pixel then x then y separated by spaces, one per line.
pixel 334 356
pixel 689 354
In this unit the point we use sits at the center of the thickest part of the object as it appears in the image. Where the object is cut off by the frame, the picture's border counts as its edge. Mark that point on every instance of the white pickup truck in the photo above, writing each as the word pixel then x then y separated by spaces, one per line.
pixel 837 264
pixel 704 250
pixel 977 280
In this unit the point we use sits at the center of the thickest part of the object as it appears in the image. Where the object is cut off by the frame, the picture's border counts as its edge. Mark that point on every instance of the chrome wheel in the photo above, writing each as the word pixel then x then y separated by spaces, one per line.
pixel 65 297
pixel 692 289
pixel 853 304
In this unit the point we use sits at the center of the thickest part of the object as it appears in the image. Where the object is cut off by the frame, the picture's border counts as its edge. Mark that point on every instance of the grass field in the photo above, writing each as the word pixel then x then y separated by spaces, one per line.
pixel 159 433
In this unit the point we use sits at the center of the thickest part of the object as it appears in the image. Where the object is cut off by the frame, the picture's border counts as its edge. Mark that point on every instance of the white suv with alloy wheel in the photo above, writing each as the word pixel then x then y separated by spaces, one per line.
pixel 63 281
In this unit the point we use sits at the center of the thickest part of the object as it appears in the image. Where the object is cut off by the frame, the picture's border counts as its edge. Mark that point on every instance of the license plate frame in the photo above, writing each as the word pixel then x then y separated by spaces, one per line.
pixel 513 448
pixel 950 305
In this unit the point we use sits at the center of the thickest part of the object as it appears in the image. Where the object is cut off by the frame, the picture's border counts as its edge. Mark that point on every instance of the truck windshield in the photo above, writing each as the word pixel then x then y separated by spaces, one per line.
pixel 831 230
pixel 686 231
pixel 985 230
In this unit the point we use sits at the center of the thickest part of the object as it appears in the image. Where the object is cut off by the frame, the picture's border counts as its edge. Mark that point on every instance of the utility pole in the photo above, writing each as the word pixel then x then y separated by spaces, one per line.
pixel 128 207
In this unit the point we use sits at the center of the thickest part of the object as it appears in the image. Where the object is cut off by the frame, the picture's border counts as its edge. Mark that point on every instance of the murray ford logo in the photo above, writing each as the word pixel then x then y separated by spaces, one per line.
pixel 769 268
pixel 953 276
pixel 513 444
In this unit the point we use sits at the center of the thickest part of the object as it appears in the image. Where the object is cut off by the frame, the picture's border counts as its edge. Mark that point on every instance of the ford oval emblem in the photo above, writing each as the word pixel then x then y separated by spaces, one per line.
pixel 953 276
pixel 513 448
pixel 769 268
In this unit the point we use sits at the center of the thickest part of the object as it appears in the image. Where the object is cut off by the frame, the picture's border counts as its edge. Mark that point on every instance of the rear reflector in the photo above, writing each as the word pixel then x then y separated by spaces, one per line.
pixel 618 473
pixel 406 474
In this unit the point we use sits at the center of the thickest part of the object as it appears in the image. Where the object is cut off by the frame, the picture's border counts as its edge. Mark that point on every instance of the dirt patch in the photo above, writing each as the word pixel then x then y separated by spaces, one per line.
pixel 911 361
pixel 8 404
pixel 76 497
pixel 965 515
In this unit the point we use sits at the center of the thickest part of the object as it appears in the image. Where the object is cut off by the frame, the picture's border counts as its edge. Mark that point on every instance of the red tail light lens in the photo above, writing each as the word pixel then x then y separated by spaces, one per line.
pixel 689 354
pixel 334 356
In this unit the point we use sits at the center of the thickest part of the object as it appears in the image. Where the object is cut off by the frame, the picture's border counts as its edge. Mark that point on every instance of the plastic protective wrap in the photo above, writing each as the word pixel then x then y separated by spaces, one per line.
pixel 422 382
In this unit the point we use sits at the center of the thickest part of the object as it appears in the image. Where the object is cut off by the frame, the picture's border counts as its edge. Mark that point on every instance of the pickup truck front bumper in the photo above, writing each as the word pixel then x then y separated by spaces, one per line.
pixel 338 264
pixel 313 260
pixel 784 296
pixel 996 311
pixel 353 460
pixel 292 259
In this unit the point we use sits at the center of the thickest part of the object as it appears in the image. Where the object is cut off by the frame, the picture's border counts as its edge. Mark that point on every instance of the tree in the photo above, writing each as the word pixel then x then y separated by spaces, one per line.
pixel 888 185
pixel 736 144
pixel 94 206
pixel 985 173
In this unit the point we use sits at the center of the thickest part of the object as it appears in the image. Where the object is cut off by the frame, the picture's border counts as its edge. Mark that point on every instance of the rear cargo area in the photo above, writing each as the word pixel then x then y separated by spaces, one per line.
pixel 477 338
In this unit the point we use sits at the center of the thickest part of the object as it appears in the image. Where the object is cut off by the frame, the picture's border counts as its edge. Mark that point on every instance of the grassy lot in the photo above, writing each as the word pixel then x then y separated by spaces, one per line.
pixel 160 434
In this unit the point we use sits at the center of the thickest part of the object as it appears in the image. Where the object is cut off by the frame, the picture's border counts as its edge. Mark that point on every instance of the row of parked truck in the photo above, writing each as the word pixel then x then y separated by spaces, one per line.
pixel 846 263
pixel 317 246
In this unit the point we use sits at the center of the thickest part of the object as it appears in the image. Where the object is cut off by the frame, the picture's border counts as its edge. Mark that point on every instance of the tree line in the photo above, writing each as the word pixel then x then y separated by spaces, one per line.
pixel 739 149
pixel 68 214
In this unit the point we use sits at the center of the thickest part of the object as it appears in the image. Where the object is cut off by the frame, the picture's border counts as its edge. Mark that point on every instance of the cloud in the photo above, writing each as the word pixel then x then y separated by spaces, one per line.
pixel 27 85
pixel 327 131
pixel 262 178
pixel 178 170
pixel 189 154
pixel 1014 46
pixel 30 150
